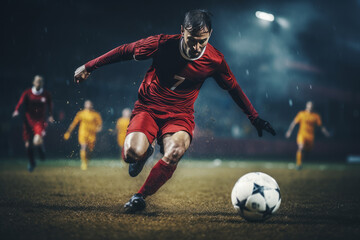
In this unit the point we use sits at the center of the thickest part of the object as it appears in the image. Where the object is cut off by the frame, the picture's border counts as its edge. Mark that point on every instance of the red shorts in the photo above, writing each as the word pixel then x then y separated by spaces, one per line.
pixel 155 125
pixel 33 127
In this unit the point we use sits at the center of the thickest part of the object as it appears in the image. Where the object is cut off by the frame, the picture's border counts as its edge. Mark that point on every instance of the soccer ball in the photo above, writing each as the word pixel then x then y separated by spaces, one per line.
pixel 256 196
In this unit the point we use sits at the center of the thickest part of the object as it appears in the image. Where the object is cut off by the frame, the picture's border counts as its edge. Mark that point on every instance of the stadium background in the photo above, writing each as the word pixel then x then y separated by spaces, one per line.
pixel 310 52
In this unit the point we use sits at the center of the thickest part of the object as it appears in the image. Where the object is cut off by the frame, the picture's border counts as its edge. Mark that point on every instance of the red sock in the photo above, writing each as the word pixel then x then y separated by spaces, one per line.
pixel 158 176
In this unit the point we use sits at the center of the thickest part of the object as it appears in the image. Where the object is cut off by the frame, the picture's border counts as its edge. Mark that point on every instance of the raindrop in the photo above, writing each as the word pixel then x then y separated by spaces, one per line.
pixel 45 29
pixel 310 86
pixel 297 87
pixel 290 102
pixel 247 72
pixel 267 95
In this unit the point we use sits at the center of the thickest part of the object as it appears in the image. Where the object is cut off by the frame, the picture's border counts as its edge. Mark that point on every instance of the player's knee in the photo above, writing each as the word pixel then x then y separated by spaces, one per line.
pixel 83 147
pixel 134 154
pixel 174 155
pixel 37 140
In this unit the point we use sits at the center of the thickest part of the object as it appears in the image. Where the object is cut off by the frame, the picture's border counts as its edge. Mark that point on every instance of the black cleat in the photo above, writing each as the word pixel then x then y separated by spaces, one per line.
pixel 135 204
pixel 137 167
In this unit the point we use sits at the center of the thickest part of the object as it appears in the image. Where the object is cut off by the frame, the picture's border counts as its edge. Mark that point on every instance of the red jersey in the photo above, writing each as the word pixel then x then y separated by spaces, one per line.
pixel 35 104
pixel 173 81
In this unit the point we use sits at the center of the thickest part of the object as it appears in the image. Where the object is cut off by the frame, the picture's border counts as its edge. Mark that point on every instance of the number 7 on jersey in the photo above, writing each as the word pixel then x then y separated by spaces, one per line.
pixel 179 81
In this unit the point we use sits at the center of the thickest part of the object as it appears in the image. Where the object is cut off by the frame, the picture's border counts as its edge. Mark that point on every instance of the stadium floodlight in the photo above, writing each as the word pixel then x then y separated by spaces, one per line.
pixel 265 16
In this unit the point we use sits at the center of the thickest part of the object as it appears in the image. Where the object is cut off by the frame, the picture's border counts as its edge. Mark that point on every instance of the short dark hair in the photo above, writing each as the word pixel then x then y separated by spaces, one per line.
pixel 197 20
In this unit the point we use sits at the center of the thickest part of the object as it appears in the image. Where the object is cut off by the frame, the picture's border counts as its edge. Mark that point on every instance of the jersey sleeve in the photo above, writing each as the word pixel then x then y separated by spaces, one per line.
pixel 74 122
pixel 98 120
pixel 226 80
pixel 21 100
pixel 118 124
pixel 298 117
pixel 139 50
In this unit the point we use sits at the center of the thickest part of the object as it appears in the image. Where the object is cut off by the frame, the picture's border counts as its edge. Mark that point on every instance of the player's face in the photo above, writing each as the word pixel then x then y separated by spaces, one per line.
pixel 309 106
pixel 194 43
pixel 126 113
pixel 88 105
pixel 38 82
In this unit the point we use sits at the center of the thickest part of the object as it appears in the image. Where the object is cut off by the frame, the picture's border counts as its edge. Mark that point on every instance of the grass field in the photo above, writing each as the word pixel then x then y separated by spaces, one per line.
pixel 59 201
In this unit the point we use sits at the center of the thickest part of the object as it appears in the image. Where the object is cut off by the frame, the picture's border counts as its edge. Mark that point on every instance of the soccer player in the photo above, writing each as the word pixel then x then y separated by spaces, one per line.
pixel 308 120
pixel 35 100
pixel 122 125
pixel 165 106
pixel 90 124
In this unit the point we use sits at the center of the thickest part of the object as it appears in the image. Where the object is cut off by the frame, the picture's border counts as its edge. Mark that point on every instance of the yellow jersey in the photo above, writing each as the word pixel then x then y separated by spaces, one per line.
pixel 307 121
pixel 90 122
pixel 121 127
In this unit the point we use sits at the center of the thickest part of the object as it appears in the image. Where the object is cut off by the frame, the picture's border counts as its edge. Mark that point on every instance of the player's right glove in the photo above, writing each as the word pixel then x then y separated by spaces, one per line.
pixel 81 74
pixel 261 125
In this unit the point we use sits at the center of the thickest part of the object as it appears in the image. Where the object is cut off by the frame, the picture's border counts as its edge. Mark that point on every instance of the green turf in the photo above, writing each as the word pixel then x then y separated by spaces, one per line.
pixel 59 201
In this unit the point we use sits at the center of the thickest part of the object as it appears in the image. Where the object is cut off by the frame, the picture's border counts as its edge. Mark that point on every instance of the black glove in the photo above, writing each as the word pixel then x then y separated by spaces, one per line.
pixel 261 125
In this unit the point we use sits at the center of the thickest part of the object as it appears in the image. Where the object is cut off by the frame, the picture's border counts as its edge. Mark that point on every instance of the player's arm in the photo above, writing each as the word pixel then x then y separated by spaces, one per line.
pixel 98 123
pixel 20 102
pixel 50 108
pixel 325 131
pixel 139 50
pixel 72 126
pixel 226 80
pixel 323 128
pixel 291 128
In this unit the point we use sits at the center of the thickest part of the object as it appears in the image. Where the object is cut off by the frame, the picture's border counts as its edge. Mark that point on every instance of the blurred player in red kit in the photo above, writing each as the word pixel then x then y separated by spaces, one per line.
pixel 35 101
pixel 166 97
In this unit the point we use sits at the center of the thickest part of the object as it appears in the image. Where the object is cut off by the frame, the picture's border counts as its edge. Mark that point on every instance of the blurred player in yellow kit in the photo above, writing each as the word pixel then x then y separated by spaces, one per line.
pixel 307 120
pixel 90 124
pixel 122 125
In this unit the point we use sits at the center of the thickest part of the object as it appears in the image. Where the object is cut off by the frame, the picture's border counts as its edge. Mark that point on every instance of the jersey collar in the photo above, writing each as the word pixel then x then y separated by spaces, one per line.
pixel 184 55
pixel 36 92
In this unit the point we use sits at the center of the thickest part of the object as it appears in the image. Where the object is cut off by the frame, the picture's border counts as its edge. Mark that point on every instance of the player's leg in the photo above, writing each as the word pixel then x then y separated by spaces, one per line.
pixel 135 147
pixel 300 140
pixel 299 156
pixel 38 143
pixel 83 141
pixel 141 132
pixel 27 137
pixel 308 144
pixel 83 157
pixel 38 140
pixel 30 154
pixel 137 150
pixel 90 145
pixel 175 145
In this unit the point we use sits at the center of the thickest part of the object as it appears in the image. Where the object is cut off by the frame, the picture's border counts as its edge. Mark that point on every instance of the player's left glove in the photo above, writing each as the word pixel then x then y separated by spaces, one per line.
pixel 261 125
